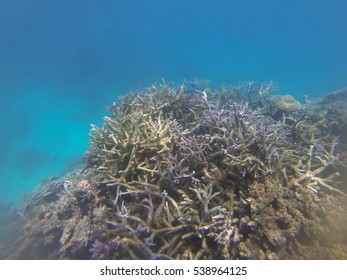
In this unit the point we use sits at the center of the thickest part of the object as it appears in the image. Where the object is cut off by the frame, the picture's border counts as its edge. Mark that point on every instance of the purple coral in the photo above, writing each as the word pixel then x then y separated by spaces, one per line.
pixel 103 251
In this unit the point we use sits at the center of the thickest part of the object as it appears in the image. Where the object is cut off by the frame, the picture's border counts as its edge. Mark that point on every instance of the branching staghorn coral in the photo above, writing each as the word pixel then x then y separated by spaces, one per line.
pixel 196 173
pixel 180 159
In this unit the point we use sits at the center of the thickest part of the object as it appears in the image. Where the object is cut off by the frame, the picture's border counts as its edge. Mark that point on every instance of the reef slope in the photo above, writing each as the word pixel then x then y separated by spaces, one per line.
pixel 193 173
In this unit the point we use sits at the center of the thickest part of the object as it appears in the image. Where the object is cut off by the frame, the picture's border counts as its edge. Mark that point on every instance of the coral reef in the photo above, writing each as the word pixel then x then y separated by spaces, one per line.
pixel 195 173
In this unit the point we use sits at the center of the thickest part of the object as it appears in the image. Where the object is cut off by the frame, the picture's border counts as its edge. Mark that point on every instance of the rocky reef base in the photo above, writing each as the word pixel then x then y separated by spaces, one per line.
pixel 236 172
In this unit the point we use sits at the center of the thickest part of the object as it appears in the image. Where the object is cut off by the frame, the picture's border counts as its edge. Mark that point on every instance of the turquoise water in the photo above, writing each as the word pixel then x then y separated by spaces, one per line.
pixel 62 62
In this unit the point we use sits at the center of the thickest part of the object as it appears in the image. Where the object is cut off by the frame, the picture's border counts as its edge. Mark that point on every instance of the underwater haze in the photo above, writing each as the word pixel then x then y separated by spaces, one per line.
pixel 62 62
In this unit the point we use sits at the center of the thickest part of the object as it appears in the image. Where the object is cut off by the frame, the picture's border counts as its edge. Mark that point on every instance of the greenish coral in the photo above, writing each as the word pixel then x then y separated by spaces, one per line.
pixel 283 107
pixel 285 103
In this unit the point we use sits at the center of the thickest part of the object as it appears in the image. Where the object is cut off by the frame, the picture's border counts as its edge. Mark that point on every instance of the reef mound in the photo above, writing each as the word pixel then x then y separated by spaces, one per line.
pixel 194 173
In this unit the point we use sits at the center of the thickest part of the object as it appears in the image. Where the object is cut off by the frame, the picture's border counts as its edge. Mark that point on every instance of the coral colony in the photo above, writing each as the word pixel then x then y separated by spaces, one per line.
pixel 195 173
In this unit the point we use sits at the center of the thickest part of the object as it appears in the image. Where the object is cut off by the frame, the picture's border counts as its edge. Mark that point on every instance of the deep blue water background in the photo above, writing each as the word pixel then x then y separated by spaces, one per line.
pixel 62 62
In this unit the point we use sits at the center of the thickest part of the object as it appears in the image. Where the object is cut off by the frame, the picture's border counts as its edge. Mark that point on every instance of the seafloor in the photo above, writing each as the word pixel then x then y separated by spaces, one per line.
pixel 236 172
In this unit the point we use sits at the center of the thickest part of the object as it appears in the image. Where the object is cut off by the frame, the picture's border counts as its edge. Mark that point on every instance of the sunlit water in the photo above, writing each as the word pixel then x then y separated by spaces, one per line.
pixel 63 62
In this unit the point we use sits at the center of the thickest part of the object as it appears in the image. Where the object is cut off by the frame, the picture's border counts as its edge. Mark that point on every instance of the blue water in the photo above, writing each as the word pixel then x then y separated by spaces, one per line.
pixel 62 62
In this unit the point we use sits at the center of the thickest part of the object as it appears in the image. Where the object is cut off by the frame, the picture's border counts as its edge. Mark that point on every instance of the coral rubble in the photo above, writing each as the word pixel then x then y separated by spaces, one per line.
pixel 195 173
